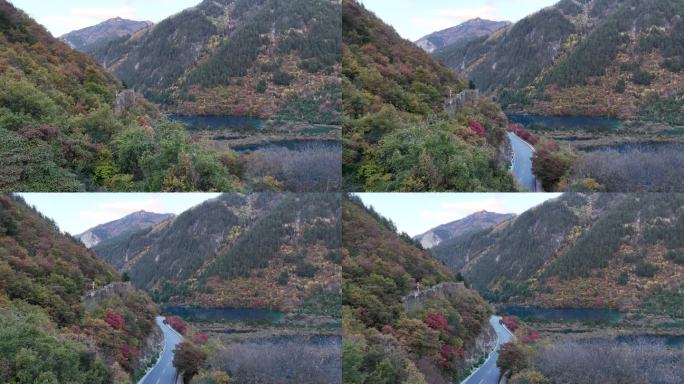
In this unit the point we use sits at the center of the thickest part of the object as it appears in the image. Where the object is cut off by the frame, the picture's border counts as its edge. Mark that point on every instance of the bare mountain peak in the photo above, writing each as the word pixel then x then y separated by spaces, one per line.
pixel 474 222
pixel 87 38
pixel 468 30
pixel 131 222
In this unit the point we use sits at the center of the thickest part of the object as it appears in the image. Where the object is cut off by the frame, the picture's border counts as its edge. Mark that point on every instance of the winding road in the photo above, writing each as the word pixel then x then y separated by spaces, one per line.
pixel 522 162
pixel 488 373
pixel 164 372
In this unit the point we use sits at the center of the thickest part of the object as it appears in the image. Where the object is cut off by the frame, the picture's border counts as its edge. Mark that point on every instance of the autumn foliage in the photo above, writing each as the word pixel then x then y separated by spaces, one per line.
pixel 176 323
pixel 476 127
pixel 510 322
pixel 115 320
pixel 436 321
pixel 523 133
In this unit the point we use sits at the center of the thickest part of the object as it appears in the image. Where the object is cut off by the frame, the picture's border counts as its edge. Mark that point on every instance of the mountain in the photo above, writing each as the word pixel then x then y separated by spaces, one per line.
pixel 68 126
pixel 130 223
pixel 455 229
pixel 65 315
pixel 621 251
pixel 237 57
pixel 466 31
pixel 87 39
pixel 391 330
pixel 260 250
pixel 583 57
pixel 409 125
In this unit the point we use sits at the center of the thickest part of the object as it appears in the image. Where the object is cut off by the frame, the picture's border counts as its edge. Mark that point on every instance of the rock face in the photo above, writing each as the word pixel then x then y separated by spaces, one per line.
pixel 86 39
pixel 133 222
pixel 472 223
pixel 468 30
pixel 230 57
pixel 582 57
pixel 580 250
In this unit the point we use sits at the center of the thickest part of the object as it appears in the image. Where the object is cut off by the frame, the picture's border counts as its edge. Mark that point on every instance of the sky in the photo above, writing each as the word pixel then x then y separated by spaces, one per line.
pixel 416 213
pixel 414 19
pixel 77 212
pixel 63 16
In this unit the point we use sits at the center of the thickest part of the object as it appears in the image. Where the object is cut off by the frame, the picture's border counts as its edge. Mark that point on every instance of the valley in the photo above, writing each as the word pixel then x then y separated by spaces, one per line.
pixel 575 277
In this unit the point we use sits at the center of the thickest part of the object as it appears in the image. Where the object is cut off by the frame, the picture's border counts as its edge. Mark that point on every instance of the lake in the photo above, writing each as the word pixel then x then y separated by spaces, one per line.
pixel 225 314
pixel 589 123
pixel 292 145
pixel 564 314
pixel 219 123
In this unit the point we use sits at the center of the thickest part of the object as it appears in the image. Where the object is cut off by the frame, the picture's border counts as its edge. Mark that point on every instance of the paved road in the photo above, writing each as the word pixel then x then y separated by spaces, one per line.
pixel 164 372
pixel 522 162
pixel 488 373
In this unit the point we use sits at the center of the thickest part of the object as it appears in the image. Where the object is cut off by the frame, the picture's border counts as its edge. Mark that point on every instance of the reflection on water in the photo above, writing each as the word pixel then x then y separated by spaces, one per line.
pixel 630 147
pixel 217 123
pixel 224 314
pixel 564 314
pixel 565 122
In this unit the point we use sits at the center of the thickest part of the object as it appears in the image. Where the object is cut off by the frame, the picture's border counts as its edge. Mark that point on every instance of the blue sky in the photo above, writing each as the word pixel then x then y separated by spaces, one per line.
pixel 416 213
pixel 63 16
pixel 76 212
pixel 414 19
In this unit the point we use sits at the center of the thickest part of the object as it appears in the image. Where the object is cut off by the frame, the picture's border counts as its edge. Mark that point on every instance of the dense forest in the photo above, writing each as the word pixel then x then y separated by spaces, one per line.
pixel 64 127
pixel 397 135
pixel 612 58
pixel 244 247
pixel 383 341
pixel 47 333
pixel 239 57
pixel 586 250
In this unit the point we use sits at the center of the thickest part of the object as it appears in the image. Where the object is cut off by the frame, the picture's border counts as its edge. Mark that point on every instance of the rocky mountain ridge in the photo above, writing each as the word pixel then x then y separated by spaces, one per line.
pixel 465 31
pixel 471 223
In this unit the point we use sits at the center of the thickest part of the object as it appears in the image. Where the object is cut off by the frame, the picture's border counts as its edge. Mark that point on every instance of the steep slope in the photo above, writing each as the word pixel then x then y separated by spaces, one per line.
pixel 240 57
pixel 589 250
pixel 588 57
pixel 260 250
pixel 391 331
pixel 130 223
pixel 53 328
pixel 455 229
pixel 88 39
pixel 66 127
pixel 465 31
pixel 397 133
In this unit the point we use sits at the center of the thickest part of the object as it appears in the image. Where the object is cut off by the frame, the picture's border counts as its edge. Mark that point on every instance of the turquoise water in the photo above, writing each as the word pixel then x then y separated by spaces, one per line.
pixel 590 123
pixel 218 123
pixel 564 314
pixel 225 314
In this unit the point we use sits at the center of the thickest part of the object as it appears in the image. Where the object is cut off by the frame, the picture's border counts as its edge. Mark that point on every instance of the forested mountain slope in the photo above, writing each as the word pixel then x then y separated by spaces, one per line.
pixel 589 57
pixel 88 39
pixel 239 57
pixel 396 132
pixel 622 251
pixel 47 334
pixel 259 250
pixel 383 341
pixel 466 31
pixel 65 128
pixel 130 223
pixel 472 223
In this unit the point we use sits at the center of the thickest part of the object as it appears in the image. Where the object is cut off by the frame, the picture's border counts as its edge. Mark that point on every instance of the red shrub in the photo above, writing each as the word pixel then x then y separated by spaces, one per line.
pixel 200 338
pixel 436 320
pixel 115 320
pixel 530 337
pixel 176 323
pixel 510 322
pixel 476 127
